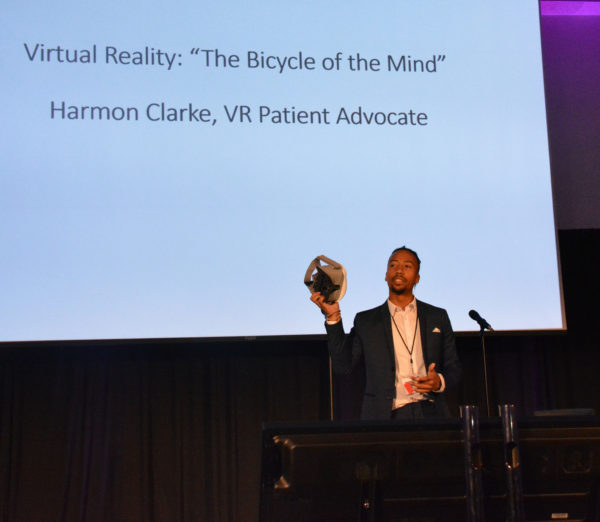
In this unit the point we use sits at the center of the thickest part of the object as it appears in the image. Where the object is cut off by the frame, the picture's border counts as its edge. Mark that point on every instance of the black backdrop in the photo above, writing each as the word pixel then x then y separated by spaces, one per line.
pixel 170 431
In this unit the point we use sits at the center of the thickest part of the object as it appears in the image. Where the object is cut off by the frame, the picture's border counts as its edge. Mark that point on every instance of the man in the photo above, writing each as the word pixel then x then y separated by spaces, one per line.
pixel 407 345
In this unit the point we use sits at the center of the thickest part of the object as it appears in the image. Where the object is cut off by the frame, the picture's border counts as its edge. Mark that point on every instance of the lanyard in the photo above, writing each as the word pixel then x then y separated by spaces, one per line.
pixel 412 348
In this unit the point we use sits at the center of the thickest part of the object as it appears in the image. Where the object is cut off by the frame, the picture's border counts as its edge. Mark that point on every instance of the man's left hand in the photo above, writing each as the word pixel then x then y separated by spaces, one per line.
pixel 430 383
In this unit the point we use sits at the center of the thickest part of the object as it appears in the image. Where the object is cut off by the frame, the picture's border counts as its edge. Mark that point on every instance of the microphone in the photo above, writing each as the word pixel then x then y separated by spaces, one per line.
pixel 480 321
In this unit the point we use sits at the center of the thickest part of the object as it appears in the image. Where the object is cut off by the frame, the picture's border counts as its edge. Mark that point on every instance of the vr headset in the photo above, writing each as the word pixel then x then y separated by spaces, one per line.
pixel 328 279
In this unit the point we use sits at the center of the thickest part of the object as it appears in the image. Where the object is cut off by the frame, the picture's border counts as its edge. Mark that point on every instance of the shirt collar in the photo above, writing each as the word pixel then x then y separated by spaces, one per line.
pixel 410 307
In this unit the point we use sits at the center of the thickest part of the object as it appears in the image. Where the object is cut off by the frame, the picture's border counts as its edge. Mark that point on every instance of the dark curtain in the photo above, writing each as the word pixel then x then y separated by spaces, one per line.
pixel 170 430
pixel 146 433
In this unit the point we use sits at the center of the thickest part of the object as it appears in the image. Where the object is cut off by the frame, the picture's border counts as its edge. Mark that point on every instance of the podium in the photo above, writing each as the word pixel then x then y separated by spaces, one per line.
pixel 386 472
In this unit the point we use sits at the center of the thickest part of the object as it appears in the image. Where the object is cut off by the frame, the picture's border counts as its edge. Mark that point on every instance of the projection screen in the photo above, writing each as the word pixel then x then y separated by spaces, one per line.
pixel 171 169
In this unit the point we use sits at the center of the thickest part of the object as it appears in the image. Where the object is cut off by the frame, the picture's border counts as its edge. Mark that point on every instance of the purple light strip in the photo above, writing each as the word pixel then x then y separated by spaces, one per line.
pixel 567 8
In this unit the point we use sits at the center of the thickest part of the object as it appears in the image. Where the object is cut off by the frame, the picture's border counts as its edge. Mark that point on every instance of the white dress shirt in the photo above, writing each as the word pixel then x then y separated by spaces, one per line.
pixel 408 353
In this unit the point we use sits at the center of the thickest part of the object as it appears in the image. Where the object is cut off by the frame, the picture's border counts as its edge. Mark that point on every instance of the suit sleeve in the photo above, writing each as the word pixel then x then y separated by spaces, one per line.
pixel 345 350
pixel 452 369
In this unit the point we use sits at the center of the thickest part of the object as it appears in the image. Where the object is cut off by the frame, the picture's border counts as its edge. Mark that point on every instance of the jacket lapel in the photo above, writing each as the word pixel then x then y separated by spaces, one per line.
pixel 386 322
pixel 423 329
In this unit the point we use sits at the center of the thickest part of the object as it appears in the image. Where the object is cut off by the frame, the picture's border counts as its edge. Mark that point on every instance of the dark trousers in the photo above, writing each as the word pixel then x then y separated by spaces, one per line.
pixel 417 410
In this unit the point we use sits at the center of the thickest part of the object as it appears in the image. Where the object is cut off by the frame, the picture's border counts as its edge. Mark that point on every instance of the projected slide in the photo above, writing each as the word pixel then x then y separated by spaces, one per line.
pixel 170 170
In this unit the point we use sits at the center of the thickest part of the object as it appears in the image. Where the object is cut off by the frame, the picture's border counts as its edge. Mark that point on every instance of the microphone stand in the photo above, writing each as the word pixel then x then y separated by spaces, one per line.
pixel 485 375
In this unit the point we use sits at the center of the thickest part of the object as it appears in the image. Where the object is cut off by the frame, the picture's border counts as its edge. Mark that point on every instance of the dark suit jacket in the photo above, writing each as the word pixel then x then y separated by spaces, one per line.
pixel 371 339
